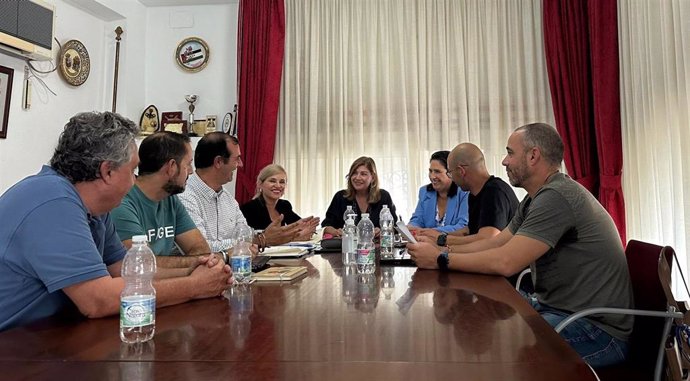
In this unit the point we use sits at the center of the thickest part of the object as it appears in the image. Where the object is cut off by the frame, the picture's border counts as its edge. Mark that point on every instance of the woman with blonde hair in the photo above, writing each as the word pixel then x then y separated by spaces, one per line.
pixel 362 193
pixel 267 204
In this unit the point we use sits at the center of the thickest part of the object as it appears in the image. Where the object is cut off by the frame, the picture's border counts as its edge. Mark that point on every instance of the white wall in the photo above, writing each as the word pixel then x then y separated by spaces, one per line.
pixel 167 83
pixel 148 74
pixel 32 134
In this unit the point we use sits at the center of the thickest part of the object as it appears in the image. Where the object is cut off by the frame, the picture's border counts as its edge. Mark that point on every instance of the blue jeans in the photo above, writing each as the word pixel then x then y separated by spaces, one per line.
pixel 596 347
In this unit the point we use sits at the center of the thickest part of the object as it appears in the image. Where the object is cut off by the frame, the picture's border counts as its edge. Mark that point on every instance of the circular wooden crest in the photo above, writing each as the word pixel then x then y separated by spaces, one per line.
pixel 192 54
pixel 74 62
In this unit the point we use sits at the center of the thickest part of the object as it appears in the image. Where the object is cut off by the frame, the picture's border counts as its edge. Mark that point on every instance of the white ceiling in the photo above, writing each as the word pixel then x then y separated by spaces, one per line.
pixel 165 3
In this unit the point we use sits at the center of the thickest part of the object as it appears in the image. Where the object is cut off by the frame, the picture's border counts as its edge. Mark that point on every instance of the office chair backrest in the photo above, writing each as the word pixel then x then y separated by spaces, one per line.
pixel 675 348
pixel 643 263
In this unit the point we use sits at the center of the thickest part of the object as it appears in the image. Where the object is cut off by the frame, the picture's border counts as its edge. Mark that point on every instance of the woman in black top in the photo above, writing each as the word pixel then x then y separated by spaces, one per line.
pixel 363 193
pixel 267 205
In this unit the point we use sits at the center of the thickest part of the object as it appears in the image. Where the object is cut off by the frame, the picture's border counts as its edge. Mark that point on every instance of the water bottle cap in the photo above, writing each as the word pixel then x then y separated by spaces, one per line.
pixel 385 206
pixel 365 215
pixel 139 239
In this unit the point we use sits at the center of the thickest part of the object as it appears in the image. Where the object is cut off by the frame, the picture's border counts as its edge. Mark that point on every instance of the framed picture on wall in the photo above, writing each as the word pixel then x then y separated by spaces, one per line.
pixel 6 75
pixel 192 54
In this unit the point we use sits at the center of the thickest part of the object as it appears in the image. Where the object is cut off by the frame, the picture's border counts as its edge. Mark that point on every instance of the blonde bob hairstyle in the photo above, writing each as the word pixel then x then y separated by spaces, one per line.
pixel 374 191
pixel 266 172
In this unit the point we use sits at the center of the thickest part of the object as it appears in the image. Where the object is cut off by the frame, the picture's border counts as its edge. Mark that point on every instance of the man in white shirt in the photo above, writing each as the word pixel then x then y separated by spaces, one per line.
pixel 215 211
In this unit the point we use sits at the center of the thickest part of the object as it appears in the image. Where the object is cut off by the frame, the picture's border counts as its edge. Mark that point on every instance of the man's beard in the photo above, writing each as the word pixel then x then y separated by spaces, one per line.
pixel 516 178
pixel 172 188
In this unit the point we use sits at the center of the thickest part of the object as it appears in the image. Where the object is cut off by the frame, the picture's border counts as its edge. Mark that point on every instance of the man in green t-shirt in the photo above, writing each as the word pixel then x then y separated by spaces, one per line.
pixel 567 238
pixel 152 207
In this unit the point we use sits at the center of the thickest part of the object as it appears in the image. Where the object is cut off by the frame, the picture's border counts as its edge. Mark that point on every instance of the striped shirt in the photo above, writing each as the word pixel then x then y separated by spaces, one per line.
pixel 214 213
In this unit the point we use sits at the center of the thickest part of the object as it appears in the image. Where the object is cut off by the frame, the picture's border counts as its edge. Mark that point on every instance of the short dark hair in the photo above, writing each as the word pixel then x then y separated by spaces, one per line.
pixel 89 139
pixel 159 148
pixel 442 157
pixel 546 138
pixel 210 146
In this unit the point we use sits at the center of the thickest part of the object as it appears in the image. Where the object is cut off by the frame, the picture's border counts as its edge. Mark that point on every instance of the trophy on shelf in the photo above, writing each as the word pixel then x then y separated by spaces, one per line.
pixel 191 98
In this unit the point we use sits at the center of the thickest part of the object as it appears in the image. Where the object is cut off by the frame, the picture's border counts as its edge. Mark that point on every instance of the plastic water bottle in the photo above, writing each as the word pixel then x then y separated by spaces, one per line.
pixel 365 246
pixel 241 259
pixel 347 213
pixel 387 232
pixel 138 298
pixel 349 239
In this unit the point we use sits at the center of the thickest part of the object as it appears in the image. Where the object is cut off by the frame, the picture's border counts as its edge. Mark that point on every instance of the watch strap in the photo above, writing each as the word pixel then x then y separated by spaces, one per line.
pixel 441 240
pixel 442 261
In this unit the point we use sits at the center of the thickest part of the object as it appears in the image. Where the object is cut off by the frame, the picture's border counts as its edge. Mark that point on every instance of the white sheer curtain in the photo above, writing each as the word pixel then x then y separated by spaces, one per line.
pixel 399 79
pixel 655 98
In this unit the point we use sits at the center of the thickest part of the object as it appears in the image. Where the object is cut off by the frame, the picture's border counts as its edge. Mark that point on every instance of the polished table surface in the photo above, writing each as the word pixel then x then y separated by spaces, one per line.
pixel 397 324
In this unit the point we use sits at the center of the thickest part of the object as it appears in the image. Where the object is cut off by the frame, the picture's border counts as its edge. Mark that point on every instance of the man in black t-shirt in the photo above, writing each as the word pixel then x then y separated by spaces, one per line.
pixel 492 202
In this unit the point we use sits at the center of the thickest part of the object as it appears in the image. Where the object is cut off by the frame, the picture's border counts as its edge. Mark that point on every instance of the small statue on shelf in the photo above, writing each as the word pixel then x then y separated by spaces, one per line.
pixel 149 120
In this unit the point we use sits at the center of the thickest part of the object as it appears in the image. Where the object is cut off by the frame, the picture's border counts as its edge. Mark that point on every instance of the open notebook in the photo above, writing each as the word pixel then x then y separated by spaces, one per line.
pixel 285 251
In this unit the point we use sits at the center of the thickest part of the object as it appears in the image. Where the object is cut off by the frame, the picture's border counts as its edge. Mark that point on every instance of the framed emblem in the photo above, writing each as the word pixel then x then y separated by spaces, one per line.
pixel 149 121
pixel 192 54
pixel 74 62
pixel 227 123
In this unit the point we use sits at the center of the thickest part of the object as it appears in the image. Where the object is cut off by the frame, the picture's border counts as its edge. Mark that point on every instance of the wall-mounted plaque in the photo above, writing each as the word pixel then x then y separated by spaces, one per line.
pixel 192 54
pixel 149 121
pixel 172 121
pixel 74 62
pixel 227 123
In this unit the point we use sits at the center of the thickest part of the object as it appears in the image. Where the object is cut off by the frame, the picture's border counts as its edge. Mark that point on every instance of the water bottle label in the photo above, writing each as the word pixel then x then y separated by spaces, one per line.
pixel 241 264
pixel 137 312
pixel 365 256
pixel 386 240
pixel 348 245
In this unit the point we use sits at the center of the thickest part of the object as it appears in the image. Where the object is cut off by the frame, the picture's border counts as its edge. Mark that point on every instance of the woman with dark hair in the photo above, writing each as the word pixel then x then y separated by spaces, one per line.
pixel 442 206
pixel 362 193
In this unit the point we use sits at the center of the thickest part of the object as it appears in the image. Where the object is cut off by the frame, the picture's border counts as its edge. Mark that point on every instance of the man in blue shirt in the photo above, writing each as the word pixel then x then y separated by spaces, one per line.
pixel 58 245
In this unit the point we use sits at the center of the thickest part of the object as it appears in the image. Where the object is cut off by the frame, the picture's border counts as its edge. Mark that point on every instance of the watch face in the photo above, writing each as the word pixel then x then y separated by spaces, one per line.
pixel 441 240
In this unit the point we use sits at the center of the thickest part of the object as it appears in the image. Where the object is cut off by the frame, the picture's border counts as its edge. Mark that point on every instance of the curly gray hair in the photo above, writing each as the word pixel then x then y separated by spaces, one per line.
pixel 89 139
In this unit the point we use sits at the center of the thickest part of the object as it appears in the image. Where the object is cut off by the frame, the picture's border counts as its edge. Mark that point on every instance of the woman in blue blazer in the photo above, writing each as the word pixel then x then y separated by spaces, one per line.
pixel 441 206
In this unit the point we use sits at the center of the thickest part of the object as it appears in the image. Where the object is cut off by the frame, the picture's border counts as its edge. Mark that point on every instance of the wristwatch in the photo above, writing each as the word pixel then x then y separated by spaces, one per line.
pixel 224 255
pixel 442 261
pixel 441 240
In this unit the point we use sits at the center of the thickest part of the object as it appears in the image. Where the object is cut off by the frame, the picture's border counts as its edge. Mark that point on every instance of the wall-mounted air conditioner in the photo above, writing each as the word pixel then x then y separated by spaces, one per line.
pixel 26 28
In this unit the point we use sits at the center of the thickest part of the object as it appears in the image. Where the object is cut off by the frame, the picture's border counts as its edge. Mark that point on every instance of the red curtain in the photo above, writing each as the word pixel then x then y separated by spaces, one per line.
pixel 603 29
pixel 581 47
pixel 260 63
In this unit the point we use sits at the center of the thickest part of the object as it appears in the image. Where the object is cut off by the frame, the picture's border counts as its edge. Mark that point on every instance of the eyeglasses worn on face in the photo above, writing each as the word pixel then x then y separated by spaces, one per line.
pixel 450 172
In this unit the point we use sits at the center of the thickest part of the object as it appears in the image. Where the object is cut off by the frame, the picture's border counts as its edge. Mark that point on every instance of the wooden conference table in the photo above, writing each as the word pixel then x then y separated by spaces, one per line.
pixel 398 324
